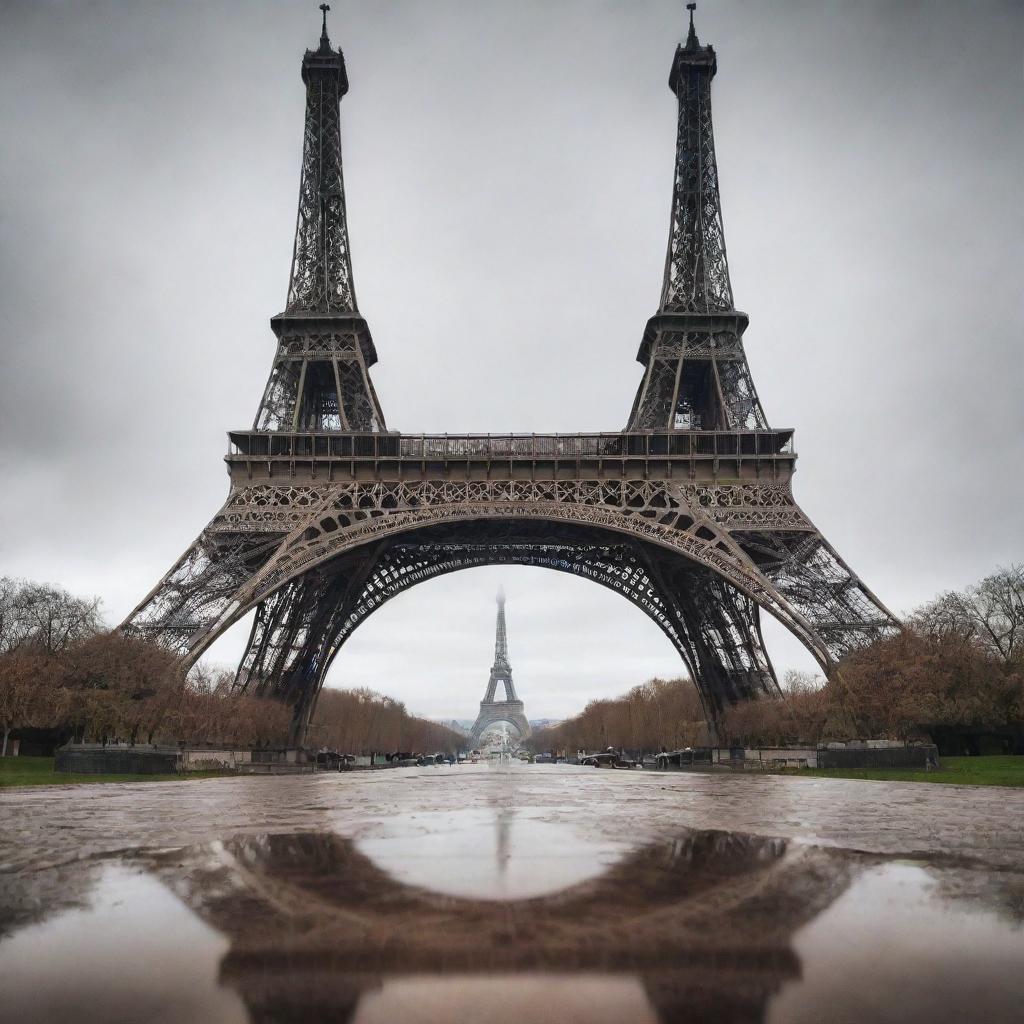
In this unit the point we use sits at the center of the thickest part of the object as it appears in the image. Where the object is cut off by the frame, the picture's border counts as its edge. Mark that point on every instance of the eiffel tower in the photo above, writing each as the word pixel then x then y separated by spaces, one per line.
pixel 688 513
pixel 510 710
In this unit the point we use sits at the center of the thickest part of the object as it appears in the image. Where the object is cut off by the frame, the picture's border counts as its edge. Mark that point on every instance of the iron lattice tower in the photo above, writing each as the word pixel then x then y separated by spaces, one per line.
pixel 688 512
pixel 510 710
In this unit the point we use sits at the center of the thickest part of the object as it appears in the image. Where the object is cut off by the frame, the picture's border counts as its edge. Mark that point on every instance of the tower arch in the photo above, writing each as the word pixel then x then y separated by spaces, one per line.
pixel 715 627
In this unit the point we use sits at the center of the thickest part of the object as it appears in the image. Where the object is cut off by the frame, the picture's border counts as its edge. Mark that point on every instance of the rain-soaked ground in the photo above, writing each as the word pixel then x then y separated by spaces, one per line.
pixel 531 894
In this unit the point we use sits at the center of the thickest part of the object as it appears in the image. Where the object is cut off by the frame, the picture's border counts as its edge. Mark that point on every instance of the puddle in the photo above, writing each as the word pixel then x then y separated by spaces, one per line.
pixel 136 953
pixel 528 897
pixel 891 949
pixel 489 855
pixel 713 925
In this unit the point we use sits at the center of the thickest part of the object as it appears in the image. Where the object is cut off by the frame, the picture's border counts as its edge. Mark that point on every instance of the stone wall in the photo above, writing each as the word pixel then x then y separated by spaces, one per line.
pixel 143 759
pixel 212 760
pixel 92 759
pixel 782 757
pixel 919 756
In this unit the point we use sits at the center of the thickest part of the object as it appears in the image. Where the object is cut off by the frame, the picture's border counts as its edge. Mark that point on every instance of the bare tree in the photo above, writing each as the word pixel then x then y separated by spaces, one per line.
pixel 991 613
pixel 795 682
pixel 50 618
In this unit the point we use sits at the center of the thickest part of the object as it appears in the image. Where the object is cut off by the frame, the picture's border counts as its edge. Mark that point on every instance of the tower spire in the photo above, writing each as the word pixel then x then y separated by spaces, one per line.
pixel 696 270
pixel 696 371
pixel 325 43
pixel 692 42
pixel 321 275
pixel 320 380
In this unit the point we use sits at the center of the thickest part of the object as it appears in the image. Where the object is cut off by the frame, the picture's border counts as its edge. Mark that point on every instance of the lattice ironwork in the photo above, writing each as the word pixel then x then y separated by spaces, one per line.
pixel 696 381
pixel 688 514
pixel 321 277
pixel 696 374
pixel 320 378
pixel 696 269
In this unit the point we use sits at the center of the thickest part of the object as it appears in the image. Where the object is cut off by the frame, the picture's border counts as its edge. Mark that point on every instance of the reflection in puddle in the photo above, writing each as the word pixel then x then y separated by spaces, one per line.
pixel 135 954
pixel 420 924
pixel 891 950
pixel 512 999
pixel 488 855
pixel 651 936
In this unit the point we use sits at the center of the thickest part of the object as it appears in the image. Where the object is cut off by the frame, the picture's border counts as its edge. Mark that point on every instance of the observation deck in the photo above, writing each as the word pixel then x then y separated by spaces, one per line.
pixel 679 454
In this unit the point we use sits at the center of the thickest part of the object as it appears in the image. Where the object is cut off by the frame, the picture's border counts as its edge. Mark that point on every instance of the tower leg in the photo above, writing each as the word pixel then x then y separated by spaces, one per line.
pixel 297 631
pixel 720 639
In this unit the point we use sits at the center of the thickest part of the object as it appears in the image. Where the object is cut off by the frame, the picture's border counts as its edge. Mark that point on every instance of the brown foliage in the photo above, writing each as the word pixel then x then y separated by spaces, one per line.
pixel 800 716
pixel 659 713
pixel 29 691
pixel 204 710
pixel 960 662
pixel 902 686
pixel 111 683
pixel 898 688
pixel 359 721
pixel 112 687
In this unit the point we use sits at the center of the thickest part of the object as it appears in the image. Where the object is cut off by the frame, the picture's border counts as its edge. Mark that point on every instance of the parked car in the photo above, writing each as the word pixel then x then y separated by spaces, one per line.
pixel 686 758
pixel 427 759
pixel 609 759
pixel 331 760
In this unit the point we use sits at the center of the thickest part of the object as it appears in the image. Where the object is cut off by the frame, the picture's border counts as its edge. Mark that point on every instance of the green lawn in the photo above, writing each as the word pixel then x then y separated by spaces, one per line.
pixel 1000 770
pixel 38 771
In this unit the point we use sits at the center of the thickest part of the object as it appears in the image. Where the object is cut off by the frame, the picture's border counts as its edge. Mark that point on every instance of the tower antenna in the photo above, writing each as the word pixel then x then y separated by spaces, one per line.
pixel 691 39
pixel 325 43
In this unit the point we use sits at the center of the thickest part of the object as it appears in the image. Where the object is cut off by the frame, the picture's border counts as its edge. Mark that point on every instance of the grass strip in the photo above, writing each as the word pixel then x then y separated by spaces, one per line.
pixel 993 770
pixel 39 771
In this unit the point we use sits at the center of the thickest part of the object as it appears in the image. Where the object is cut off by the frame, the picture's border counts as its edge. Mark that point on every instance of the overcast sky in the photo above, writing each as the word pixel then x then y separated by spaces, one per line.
pixel 508 168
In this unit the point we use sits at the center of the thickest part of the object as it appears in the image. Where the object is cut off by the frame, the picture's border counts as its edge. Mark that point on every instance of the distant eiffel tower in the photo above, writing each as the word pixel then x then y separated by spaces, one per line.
pixel 510 710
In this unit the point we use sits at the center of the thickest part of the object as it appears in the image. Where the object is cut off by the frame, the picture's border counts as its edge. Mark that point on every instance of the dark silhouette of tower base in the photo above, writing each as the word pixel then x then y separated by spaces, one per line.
pixel 509 711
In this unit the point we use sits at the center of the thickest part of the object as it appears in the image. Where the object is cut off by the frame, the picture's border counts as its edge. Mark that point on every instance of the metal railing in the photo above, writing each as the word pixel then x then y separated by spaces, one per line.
pixel 681 444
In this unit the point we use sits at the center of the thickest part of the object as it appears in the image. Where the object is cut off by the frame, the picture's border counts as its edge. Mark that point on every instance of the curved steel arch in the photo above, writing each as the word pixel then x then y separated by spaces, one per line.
pixel 301 628
pixel 717 564
pixel 338 526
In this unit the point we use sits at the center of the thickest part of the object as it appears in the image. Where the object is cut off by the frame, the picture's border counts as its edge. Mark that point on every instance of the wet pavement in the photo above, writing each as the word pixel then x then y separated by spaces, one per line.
pixel 519 893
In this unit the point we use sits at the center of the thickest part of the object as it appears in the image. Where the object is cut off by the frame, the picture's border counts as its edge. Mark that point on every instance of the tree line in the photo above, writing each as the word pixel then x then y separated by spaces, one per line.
pixel 61 668
pixel 360 721
pixel 659 713
pixel 958 663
